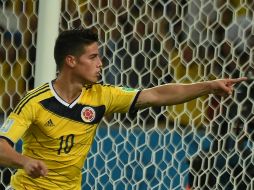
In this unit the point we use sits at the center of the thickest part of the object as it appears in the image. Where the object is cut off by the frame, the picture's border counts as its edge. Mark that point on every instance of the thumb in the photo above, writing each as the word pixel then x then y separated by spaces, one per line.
pixel 227 90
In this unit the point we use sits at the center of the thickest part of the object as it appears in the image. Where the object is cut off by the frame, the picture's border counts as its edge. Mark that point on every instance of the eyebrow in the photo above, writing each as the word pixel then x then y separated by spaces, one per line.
pixel 93 55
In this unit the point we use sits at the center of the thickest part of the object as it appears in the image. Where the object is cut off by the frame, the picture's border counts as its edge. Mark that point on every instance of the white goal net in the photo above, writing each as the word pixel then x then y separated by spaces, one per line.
pixel 204 144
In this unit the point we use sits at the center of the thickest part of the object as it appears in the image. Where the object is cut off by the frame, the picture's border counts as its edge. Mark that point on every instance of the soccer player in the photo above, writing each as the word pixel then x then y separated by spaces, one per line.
pixel 58 120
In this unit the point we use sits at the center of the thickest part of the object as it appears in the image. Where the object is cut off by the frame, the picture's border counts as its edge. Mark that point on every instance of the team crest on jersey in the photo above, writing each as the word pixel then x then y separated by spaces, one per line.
pixel 88 114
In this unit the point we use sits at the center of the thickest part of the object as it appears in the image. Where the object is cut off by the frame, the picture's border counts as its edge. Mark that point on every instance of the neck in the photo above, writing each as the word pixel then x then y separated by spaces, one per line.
pixel 67 88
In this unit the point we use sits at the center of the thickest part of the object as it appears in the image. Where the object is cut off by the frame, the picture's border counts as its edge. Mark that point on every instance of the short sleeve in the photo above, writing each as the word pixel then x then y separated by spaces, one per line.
pixel 120 99
pixel 16 124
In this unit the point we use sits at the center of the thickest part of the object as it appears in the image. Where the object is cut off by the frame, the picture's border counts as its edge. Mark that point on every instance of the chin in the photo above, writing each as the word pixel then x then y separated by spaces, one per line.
pixel 91 81
pixel 98 79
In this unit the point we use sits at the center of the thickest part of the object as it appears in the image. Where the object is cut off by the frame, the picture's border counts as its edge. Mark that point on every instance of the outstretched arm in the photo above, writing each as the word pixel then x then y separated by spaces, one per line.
pixel 10 158
pixel 171 94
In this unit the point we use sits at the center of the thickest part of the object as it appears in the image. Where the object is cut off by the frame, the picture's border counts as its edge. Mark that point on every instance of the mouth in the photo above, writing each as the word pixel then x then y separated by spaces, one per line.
pixel 98 74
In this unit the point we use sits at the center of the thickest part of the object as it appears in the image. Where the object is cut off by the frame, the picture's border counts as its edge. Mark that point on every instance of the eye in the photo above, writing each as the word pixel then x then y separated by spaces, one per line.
pixel 93 56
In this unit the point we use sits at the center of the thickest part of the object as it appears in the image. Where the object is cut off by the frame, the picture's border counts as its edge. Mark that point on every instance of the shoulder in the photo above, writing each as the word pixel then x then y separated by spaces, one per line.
pixel 105 89
pixel 99 87
pixel 33 96
pixel 38 92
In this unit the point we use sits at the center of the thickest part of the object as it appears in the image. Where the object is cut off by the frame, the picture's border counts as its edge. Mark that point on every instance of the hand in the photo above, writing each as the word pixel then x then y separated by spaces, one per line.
pixel 224 87
pixel 35 168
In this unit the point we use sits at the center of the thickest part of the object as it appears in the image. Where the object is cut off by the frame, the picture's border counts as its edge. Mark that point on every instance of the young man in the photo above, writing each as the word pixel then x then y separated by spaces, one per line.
pixel 57 121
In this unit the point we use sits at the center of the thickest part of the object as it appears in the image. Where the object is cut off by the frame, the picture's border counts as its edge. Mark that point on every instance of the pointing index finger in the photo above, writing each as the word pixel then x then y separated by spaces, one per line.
pixel 237 80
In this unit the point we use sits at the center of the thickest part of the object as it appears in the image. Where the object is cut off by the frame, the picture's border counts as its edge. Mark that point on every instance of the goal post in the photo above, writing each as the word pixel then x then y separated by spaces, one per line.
pixel 204 144
pixel 48 26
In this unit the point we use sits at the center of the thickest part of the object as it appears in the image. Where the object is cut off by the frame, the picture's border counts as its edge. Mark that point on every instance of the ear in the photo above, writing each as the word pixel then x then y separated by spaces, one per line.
pixel 70 60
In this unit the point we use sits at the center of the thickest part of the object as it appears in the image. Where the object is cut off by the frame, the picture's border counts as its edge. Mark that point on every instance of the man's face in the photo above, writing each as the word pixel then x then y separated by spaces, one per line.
pixel 88 64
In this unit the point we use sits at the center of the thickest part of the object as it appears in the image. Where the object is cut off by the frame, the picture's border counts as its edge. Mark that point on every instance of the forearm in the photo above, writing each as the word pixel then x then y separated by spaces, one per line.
pixel 9 157
pixel 171 94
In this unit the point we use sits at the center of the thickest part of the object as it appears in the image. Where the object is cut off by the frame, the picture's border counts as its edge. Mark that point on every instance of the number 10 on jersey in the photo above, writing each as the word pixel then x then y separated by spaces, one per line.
pixel 66 144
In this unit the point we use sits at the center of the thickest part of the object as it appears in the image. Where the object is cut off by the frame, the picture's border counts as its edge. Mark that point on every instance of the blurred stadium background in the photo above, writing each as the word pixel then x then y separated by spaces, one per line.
pixel 204 144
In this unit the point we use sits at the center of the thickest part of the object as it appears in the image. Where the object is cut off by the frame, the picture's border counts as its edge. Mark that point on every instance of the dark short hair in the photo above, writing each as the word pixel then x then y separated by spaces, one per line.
pixel 72 42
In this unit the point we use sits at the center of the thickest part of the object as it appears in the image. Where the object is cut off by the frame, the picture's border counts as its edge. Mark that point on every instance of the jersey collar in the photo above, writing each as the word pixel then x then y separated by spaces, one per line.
pixel 60 99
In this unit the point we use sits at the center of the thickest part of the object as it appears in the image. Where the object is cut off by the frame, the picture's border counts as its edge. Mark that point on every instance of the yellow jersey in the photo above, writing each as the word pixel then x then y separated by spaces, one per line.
pixel 61 134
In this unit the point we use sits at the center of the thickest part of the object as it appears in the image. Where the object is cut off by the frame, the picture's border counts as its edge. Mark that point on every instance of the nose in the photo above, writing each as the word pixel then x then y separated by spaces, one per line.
pixel 99 63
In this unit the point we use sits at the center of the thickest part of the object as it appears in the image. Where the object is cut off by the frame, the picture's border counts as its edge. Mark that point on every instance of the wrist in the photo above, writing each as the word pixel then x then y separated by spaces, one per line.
pixel 23 161
pixel 210 87
pixel 20 161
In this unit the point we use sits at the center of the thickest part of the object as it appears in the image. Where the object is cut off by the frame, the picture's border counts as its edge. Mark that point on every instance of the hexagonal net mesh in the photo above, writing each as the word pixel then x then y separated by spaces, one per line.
pixel 18 28
pixel 203 144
